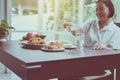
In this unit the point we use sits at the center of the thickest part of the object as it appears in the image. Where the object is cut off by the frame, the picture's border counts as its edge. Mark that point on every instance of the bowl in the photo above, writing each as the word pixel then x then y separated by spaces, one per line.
pixel 42 36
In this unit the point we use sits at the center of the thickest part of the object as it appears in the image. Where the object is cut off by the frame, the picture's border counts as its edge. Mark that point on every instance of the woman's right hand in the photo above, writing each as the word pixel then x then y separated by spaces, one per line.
pixel 68 24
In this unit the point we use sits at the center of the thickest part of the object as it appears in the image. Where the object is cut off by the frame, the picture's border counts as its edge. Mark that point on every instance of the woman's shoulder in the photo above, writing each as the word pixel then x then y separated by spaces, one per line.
pixel 91 21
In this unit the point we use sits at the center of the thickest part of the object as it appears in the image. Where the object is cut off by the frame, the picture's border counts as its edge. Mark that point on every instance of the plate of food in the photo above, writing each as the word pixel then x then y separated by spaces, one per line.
pixel 53 47
pixel 34 43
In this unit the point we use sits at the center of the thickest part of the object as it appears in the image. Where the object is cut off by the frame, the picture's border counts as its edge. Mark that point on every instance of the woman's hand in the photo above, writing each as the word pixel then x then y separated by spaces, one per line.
pixel 68 24
pixel 72 28
pixel 73 32
pixel 98 46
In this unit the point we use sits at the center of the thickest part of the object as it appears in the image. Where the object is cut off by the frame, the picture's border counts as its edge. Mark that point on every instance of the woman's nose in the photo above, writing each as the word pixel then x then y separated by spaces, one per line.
pixel 98 12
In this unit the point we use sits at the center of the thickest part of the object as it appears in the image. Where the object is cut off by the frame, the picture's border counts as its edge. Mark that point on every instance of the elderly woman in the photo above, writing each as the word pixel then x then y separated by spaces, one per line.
pixel 102 33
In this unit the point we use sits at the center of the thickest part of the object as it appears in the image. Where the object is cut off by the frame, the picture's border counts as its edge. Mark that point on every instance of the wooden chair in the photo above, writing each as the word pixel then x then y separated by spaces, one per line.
pixel 118 24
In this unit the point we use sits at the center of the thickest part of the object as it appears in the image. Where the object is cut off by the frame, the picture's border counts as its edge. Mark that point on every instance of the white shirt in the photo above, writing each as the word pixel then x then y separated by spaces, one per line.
pixel 108 36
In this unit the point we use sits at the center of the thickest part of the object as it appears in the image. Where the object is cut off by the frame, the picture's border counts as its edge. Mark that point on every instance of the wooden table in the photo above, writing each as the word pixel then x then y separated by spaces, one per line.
pixel 39 65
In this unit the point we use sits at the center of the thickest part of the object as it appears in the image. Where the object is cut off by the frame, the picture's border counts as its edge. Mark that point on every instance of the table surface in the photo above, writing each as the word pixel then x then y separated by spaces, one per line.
pixel 26 57
pixel 15 49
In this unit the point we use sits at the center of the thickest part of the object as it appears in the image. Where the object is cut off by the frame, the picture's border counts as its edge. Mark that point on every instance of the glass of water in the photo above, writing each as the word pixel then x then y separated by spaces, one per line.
pixel 80 40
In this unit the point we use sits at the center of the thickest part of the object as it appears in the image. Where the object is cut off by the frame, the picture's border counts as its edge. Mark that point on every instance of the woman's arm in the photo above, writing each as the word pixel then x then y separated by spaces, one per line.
pixel 69 25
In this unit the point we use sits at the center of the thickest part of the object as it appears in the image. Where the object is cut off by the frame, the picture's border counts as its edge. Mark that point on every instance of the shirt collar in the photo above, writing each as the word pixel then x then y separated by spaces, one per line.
pixel 108 27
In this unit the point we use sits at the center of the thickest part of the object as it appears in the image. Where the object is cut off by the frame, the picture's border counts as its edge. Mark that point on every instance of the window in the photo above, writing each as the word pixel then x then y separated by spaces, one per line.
pixel 24 17
pixel 42 15
pixel 48 15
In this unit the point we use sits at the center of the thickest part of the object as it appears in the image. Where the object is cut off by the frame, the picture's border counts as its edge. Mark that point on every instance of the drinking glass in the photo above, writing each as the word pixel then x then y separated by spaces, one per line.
pixel 80 41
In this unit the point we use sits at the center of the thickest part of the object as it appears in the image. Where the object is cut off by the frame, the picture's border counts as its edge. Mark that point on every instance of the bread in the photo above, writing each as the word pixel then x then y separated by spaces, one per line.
pixel 36 41
pixel 53 45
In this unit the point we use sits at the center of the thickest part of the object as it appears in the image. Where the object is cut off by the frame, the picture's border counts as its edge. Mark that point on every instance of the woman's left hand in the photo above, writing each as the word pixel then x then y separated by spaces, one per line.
pixel 98 46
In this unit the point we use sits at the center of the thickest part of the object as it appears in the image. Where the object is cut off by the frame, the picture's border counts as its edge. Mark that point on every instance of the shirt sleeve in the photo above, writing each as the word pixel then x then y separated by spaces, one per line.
pixel 86 25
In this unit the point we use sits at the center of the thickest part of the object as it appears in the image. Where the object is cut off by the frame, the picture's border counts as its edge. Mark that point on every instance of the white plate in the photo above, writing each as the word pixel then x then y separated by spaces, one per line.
pixel 52 50
pixel 70 47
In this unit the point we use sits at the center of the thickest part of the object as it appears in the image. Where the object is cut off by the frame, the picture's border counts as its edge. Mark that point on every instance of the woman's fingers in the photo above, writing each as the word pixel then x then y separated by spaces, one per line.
pixel 98 46
pixel 67 24
pixel 73 32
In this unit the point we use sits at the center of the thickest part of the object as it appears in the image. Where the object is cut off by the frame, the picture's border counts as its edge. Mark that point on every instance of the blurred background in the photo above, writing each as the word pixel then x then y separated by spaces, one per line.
pixel 48 16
